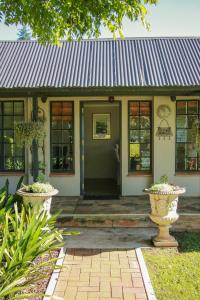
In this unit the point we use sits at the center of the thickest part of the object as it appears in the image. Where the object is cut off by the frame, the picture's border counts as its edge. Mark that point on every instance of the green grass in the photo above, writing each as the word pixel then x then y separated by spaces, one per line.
pixel 175 275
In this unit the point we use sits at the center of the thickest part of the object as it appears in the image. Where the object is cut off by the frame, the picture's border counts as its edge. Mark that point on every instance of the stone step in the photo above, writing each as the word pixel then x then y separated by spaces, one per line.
pixel 186 222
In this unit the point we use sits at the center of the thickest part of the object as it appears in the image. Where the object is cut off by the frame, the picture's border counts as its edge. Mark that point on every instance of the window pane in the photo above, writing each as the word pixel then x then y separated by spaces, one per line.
pixel 66 136
pixel 8 108
pixel 144 108
pixel 181 121
pixel 187 156
pixel 67 108
pixel 140 135
pixel 57 108
pixel 191 121
pixel 134 108
pixel 192 107
pixel 61 136
pixel 134 136
pixel 181 107
pixel 145 163
pixel 134 122
pixel 56 122
pixel 57 136
pixel 19 108
pixel 67 122
pixel 145 136
pixel 8 122
pixel 144 122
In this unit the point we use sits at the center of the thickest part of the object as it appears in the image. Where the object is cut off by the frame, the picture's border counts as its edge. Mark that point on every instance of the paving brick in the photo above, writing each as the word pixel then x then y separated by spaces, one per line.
pixel 100 275
pixel 117 292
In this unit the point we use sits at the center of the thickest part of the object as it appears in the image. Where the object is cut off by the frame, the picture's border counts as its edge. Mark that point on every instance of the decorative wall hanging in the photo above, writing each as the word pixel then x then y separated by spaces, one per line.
pixel 164 130
pixel 163 111
pixel 101 127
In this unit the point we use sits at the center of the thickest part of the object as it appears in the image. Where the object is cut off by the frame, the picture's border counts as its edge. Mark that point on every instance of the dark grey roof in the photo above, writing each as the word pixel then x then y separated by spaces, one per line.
pixel 145 62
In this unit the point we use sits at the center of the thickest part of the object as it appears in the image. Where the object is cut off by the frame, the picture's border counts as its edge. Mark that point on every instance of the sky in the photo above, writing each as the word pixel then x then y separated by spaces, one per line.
pixel 167 18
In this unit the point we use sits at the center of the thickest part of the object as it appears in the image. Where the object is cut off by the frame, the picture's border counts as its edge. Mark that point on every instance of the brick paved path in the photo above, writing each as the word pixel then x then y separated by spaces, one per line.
pixel 100 274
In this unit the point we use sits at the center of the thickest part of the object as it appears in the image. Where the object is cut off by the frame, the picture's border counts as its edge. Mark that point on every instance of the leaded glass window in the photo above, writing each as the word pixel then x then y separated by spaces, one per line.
pixel 187 120
pixel 62 137
pixel 11 155
pixel 139 120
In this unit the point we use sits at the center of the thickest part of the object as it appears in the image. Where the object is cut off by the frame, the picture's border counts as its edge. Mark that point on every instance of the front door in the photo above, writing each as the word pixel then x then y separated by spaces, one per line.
pixel 100 150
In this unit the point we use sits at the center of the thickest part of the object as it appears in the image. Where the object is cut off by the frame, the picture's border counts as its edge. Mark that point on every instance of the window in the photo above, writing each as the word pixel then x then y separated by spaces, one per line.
pixel 139 126
pixel 62 137
pixel 11 155
pixel 187 117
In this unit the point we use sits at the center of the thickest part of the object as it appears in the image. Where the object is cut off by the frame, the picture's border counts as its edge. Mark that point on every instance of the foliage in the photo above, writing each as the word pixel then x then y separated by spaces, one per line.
pixel 52 20
pixel 176 275
pixel 6 199
pixel 195 134
pixel 26 132
pixel 39 187
pixel 24 33
pixel 26 236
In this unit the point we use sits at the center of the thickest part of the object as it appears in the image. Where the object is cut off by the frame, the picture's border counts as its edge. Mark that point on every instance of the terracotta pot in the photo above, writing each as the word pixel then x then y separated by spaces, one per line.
pixel 164 214
pixel 38 200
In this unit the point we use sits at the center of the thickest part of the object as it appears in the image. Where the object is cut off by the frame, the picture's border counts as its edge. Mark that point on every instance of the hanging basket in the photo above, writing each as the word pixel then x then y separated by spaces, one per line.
pixel 26 132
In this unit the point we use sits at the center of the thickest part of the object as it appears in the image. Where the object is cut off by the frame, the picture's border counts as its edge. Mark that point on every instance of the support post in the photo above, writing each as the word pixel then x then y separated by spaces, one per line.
pixel 35 163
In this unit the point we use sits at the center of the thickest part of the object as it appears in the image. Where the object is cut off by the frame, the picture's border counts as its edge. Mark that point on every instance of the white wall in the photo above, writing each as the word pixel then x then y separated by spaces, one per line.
pixel 163 152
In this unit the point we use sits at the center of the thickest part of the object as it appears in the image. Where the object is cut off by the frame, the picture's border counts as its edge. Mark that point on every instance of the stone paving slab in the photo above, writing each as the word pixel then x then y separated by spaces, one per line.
pixel 110 238
pixel 125 205
pixel 100 274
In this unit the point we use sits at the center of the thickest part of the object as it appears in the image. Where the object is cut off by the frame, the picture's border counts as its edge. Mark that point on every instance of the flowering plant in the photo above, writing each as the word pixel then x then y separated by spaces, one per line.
pixel 38 187
pixel 163 186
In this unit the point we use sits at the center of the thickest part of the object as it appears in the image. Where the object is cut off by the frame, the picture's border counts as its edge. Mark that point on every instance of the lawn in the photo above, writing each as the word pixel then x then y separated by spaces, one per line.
pixel 176 274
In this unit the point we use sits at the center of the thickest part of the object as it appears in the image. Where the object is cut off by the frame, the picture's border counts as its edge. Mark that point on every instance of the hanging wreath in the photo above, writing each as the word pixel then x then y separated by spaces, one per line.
pixel 26 132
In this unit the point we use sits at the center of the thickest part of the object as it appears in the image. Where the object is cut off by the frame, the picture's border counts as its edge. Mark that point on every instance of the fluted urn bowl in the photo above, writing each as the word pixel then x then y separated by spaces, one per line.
pixel 38 200
pixel 164 214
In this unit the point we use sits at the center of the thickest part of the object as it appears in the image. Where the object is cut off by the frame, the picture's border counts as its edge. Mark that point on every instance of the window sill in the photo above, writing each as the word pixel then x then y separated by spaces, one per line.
pixel 141 173
pixel 12 173
pixel 61 174
pixel 187 174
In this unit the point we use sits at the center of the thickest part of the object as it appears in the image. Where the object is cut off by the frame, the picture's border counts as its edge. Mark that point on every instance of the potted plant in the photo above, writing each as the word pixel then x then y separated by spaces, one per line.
pixel 164 200
pixel 38 195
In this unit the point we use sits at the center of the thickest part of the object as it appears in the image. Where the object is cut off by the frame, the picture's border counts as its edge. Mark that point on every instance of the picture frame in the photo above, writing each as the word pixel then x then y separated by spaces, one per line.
pixel 101 126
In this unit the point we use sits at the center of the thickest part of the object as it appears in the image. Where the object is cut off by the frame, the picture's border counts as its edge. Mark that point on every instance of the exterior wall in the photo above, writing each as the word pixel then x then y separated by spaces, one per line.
pixel 163 151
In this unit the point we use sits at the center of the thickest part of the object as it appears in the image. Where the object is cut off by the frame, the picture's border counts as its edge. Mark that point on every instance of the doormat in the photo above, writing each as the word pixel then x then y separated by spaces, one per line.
pixel 101 197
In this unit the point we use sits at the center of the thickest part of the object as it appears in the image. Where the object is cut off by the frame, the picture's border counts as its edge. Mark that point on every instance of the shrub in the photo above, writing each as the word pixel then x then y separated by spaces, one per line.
pixel 23 237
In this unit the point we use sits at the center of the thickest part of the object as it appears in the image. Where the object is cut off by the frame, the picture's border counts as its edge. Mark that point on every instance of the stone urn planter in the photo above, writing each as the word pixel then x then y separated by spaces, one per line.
pixel 164 211
pixel 38 195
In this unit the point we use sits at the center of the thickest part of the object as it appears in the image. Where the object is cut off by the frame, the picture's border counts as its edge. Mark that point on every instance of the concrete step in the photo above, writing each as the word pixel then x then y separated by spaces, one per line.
pixel 189 222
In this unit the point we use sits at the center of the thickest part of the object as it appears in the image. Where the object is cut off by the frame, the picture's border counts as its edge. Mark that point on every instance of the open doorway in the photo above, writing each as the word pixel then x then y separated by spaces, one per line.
pixel 100 149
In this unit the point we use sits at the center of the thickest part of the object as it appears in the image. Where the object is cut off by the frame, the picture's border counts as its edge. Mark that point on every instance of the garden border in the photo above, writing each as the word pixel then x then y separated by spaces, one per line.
pixel 145 275
pixel 54 276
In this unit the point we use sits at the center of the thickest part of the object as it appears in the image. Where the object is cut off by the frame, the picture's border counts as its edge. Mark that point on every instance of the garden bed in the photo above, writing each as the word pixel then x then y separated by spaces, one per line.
pixel 175 274
pixel 41 286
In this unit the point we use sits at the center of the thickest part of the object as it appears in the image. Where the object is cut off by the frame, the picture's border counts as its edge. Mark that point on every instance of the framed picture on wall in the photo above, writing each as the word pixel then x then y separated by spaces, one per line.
pixel 101 127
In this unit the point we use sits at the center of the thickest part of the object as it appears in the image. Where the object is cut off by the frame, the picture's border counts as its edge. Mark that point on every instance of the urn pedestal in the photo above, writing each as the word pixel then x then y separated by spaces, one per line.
pixel 38 200
pixel 164 214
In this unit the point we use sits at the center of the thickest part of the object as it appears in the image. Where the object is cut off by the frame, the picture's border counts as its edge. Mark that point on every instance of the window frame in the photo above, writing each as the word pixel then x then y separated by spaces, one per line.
pixel 141 172
pixel 2 143
pixel 178 171
pixel 63 171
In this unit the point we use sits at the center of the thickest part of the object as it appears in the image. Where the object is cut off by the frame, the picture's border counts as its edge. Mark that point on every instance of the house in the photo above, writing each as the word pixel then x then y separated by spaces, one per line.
pixel 118 114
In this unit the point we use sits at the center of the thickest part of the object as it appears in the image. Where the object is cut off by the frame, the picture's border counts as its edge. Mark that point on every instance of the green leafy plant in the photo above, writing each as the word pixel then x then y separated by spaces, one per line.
pixel 39 187
pixel 26 132
pixel 26 236
pixel 163 186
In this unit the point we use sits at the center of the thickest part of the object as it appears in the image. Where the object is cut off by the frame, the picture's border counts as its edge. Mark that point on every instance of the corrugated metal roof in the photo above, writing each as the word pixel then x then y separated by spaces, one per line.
pixel 145 62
